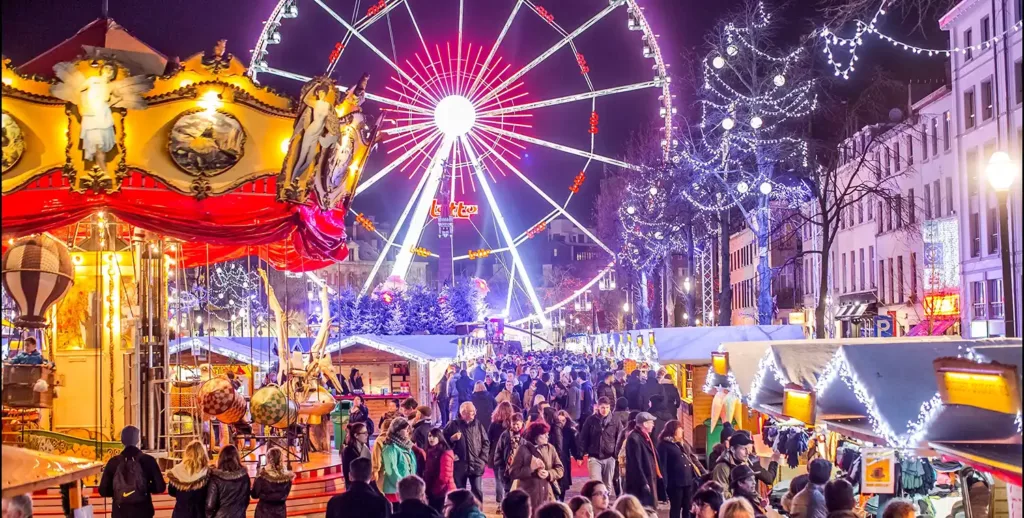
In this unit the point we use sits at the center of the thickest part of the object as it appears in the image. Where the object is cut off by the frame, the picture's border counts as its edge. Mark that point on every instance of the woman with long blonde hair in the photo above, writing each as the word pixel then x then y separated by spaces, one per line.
pixel 272 486
pixel 187 482
pixel 630 507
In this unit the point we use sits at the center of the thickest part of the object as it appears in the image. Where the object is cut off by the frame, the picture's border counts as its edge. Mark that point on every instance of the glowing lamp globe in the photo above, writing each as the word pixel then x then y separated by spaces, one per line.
pixel 756 122
pixel 728 123
pixel 631 209
pixel 1000 171
pixel 654 191
pixel 779 80
pixel 718 62
pixel 455 116
pixel 766 188
pixel 732 50
pixel 743 187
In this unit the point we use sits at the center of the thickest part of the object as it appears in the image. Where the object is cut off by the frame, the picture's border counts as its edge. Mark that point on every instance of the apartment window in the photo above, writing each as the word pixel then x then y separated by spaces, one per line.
pixel 892 283
pixel 860 255
pixel 924 141
pixel 972 172
pixel 860 212
pixel 902 281
pixel 896 158
pixel 911 207
pixel 986 32
pixel 878 166
pixel 844 273
pixel 888 217
pixel 935 137
pixel 871 262
pixel 1017 83
pixel 949 196
pixel 978 300
pixel 910 150
pixel 835 271
pixel 881 281
pixel 913 276
pixel 995 299
pixel 937 189
pixel 975 236
pixel 986 100
pixel 871 209
pixel 888 162
pixel 968 41
pixel 993 230
pixel 927 201
pixel 842 220
pixel 849 214
pixel 969 109
pixel 946 122
pixel 898 212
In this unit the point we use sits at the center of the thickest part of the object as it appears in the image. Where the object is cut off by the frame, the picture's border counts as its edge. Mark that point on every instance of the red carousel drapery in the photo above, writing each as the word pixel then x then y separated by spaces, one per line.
pixel 247 221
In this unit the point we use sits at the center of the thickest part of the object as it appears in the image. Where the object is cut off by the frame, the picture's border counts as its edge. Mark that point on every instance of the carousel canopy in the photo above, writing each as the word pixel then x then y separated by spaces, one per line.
pixel 421 348
pixel 695 344
pixel 25 471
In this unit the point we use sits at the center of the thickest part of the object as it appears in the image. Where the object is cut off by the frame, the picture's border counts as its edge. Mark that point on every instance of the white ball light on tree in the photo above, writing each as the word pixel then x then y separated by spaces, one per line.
pixel 658 235
pixel 756 122
pixel 732 50
pixel 766 188
pixel 631 210
pixel 779 80
pixel 718 62
pixel 743 187
pixel 654 191
pixel 728 123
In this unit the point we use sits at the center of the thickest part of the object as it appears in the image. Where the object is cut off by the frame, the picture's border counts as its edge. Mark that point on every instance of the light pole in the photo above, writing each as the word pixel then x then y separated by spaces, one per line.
pixel 1001 173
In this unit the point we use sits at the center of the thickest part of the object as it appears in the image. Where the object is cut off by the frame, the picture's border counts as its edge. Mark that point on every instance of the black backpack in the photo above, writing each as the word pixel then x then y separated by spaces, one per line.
pixel 130 485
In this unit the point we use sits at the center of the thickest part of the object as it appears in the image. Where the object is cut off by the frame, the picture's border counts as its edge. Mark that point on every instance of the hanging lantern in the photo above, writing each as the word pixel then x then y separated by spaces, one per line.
pixel 37 272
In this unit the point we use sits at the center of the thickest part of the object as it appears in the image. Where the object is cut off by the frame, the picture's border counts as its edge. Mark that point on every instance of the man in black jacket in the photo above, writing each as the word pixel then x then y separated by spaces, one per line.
pixel 641 462
pixel 598 439
pixel 412 492
pixel 421 426
pixel 633 392
pixel 148 469
pixel 605 387
pixel 359 500
pixel 471 446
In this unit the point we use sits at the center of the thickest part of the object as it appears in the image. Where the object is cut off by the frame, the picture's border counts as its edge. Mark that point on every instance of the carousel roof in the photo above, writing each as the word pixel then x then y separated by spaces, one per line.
pixel 695 344
pixel 25 471
pixel 102 37
pixel 421 348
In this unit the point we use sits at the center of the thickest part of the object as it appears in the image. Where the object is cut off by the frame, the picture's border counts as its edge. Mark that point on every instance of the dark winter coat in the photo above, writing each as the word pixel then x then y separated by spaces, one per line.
pixel 608 391
pixel 271 488
pixel 649 389
pixel 494 432
pixel 350 453
pixel 150 470
pixel 587 399
pixel 641 472
pixel 465 386
pixel 228 494
pixel 415 509
pixel 472 448
pixel 661 415
pixel 676 469
pixel 570 450
pixel 599 436
pixel 620 390
pixel 358 501
pixel 484 404
pixel 361 414
pixel 672 398
pixel 634 392
pixel 573 400
pixel 421 433
pixel 189 492
pixel 502 452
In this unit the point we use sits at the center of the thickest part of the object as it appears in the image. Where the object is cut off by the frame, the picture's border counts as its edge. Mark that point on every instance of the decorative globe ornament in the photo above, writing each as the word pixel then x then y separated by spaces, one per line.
pixel 718 62
pixel 756 122
pixel 37 272
pixel 269 405
pixel 290 418
pixel 217 396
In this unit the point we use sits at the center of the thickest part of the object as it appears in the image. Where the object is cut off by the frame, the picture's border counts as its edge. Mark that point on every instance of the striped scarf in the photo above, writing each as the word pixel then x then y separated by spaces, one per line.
pixel 516 441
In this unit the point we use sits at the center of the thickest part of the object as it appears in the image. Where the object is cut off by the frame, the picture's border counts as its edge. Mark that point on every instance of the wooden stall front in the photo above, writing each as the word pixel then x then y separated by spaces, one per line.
pixel 386 375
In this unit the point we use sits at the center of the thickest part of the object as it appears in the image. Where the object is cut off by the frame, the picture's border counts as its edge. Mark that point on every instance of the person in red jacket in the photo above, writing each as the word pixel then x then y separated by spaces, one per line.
pixel 439 473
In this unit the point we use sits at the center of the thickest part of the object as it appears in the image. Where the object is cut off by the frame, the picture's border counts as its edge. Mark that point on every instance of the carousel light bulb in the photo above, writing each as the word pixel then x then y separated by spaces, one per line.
pixel 728 123
pixel 455 116
pixel 732 50
pixel 284 144
pixel 718 62
pixel 8 81
pixel 779 80
pixel 743 187
pixel 756 122
pixel 766 188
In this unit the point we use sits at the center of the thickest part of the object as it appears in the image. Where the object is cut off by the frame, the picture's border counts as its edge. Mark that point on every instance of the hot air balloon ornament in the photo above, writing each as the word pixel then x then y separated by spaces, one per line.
pixel 37 272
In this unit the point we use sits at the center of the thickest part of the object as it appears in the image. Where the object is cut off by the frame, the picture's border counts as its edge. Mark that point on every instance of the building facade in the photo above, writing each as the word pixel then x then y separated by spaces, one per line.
pixel 783 257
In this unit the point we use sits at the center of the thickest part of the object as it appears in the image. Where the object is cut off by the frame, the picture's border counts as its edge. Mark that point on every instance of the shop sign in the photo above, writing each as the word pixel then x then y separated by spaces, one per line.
pixel 797 318
pixel 720 363
pixel 878 471
pixel 799 404
pixel 883 326
pixel 989 386
pixel 942 305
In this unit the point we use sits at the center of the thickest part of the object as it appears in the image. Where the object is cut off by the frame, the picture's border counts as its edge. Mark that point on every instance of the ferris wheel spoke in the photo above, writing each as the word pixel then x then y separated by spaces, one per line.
pixel 572 98
pixel 361 25
pixel 374 48
pixel 506 235
pixel 396 162
pixel 548 199
pixel 557 147
pixel 543 57
pixel 373 97
pixel 494 49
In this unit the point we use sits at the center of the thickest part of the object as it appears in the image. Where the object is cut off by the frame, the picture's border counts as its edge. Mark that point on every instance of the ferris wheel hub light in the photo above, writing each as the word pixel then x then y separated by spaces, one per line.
pixel 455 115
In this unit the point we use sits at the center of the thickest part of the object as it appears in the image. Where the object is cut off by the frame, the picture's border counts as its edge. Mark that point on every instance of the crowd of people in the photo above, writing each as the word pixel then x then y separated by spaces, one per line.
pixel 527 420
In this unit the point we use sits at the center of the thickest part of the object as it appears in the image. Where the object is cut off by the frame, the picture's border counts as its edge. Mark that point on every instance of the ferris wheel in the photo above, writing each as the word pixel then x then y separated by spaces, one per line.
pixel 457 116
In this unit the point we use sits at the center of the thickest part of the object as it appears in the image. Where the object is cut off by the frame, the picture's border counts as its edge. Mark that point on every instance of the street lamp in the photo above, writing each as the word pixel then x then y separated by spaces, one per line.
pixel 1001 173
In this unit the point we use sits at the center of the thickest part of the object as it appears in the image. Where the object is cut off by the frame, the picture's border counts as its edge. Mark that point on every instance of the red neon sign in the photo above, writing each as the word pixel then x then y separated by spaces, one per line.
pixel 458 210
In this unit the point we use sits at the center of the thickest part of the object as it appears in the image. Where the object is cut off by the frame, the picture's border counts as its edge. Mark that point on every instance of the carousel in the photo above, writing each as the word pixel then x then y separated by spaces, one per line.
pixel 118 177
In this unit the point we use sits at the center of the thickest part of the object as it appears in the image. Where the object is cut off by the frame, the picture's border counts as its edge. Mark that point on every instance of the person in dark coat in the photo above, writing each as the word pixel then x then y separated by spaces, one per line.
pixel 633 392
pixel 570 448
pixel 355 380
pixel 642 470
pixel 465 386
pixel 356 446
pixel 228 494
pixel 671 394
pixel 441 395
pixel 359 500
pixel 412 494
pixel 130 437
pixel 605 388
pixel 598 439
pixel 649 389
pixel 187 481
pixel 272 486
pixel 360 414
pixel 468 439
pixel 619 384
pixel 484 404
pixel 661 414
pixel 421 426
pixel 586 396
pixel 677 472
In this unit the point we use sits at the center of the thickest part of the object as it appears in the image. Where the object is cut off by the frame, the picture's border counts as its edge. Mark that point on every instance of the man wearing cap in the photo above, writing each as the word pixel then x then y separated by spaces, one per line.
pixel 739 452
pixel 810 502
pixel 742 484
pixel 642 471
pixel 135 505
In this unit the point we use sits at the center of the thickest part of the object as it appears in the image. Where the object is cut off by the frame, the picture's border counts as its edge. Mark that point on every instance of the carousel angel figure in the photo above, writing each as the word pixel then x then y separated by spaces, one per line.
pixel 95 96
pixel 315 127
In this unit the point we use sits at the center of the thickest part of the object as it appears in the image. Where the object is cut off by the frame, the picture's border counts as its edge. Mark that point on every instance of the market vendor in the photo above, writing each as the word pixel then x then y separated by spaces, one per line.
pixel 29 354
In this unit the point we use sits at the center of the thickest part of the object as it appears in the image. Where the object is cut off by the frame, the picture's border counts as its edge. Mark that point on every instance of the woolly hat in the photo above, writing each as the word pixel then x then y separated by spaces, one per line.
pixel 819 471
pixel 130 436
